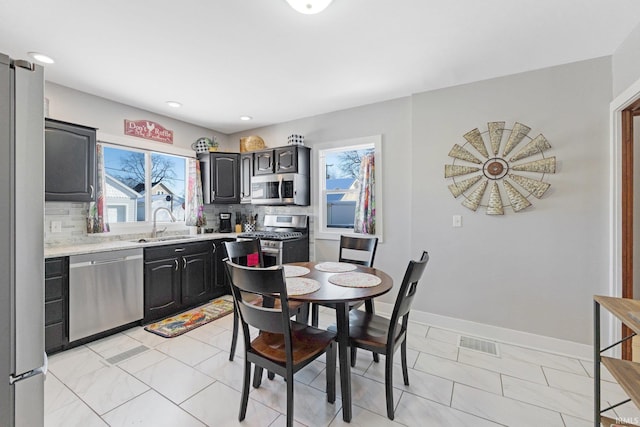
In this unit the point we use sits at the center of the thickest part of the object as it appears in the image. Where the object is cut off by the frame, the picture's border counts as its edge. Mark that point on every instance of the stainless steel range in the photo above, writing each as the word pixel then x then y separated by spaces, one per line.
pixel 284 238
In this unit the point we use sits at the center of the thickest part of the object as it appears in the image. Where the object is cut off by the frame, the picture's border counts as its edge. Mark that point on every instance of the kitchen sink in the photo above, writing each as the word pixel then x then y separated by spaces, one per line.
pixel 160 239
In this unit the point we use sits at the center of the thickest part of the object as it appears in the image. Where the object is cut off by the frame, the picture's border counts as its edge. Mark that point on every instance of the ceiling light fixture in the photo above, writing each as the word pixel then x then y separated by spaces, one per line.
pixel 174 104
pixel 40 57
pixel 245 118
pixel 309 7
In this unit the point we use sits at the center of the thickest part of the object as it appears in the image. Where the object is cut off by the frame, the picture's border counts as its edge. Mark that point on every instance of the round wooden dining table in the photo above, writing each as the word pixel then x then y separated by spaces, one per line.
pixel 341 296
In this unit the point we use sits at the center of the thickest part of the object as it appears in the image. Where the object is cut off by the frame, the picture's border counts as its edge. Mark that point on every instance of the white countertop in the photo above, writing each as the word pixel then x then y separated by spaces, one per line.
pixel 113 245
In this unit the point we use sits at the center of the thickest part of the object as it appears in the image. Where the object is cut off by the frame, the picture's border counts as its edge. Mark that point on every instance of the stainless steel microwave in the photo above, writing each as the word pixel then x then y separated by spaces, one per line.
pixel 280 189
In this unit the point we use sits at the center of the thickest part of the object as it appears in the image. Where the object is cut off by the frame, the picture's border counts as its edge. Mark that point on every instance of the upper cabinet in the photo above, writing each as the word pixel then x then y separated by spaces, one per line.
pixel 290 159
pixel 70 161
pixel 246 172
pixel 220 177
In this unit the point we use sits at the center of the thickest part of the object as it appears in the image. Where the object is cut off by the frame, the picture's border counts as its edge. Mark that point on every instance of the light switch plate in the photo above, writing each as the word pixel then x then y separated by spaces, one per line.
pixel 457 220
pixel 56 226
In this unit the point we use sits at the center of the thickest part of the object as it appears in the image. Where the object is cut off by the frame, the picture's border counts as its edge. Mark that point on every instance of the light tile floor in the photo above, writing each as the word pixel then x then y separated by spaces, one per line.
pixel 138 378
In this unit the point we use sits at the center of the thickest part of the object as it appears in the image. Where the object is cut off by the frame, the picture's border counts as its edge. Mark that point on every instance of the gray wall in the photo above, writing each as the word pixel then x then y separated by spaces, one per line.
pixel 392 119
pixel 537 270
pixel 626 62
pixel 108 116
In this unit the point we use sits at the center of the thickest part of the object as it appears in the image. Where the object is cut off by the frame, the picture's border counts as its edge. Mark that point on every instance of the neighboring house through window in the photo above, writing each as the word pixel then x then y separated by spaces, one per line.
pixel 339 185
pixel 129 172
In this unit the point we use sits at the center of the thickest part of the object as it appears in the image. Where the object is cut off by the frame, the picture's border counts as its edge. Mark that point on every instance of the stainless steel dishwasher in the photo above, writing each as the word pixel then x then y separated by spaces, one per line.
pixel 105 291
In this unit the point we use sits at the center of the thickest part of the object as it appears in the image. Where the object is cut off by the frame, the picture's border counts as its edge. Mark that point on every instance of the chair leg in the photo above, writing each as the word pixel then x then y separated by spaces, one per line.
pixel 388 383
pixel 370 308
pixel 354 353
pixel 234 336
pixel 245 391
pixel 403 355
pixel 331 373
pixel 257 377
pixel 314 315
pixel 289 379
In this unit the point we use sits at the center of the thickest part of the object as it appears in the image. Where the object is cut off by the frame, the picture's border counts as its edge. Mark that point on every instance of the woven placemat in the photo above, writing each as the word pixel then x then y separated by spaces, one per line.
pixel 335 267
pixel 355 280
pixel 295 270
pixel 301 285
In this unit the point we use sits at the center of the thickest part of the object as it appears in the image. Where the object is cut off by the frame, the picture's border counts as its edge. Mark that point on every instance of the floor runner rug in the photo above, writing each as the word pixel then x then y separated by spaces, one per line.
pixel 184 322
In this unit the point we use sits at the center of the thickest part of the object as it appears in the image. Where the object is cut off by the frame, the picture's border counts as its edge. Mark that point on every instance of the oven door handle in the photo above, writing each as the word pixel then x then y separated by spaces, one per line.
pixel 270 250
pixel 280 187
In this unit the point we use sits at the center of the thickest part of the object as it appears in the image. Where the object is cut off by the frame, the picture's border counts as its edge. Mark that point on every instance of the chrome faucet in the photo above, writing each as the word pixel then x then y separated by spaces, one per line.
pixel 154 230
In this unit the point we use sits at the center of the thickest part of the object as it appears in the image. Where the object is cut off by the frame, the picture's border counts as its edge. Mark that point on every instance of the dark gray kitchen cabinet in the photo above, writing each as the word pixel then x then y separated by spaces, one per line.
pixel 263 162
pixel 220 177
pixel 246 172
pixel 56 296
pixel 70 161
pixel 176 277
pixel 161 287
pixel 289 159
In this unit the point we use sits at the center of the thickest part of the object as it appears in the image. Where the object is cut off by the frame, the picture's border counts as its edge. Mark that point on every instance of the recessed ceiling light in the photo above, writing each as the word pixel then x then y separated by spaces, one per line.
pixel 245 118
pixel 309 7
pixel 40 57
pixel 174 104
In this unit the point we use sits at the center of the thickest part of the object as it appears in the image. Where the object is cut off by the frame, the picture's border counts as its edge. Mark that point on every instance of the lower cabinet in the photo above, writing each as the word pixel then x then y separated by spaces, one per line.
pixel 178 277
pixel 56 297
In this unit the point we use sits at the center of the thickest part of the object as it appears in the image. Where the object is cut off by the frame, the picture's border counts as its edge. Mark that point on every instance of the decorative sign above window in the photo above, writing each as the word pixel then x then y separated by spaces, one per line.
pixel 148 130
pixel 521 172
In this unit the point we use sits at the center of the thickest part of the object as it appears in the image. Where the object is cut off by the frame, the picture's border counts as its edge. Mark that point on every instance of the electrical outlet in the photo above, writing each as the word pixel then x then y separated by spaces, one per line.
pixel 457 220
pixel 56 226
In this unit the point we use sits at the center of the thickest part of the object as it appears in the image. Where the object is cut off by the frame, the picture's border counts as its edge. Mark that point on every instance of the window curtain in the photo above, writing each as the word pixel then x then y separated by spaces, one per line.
pixel 365 215
pixel 97 221
pixel 195 204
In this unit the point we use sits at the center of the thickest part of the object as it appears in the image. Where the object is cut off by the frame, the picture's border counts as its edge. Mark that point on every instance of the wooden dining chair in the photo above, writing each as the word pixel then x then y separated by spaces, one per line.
pixel 283 346
pixel 354 250
pixel 381 335
pixel 248 253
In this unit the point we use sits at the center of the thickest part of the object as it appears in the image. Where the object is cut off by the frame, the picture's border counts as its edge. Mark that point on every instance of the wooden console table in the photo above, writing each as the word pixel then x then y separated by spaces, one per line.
pixel 625 372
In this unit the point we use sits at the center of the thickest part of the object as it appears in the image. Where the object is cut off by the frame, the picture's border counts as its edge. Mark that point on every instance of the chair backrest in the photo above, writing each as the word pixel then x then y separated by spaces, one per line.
pixel 407 292
pixel 245 252
pixel 364 245
pixel 265 282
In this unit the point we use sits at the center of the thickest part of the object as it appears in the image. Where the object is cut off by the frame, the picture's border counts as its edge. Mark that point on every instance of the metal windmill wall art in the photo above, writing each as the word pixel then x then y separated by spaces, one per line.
pixel 519 168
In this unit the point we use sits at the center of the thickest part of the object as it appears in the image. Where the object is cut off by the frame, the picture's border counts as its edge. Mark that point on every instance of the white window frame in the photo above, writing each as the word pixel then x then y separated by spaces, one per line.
pixel 321 229
pixel 144 226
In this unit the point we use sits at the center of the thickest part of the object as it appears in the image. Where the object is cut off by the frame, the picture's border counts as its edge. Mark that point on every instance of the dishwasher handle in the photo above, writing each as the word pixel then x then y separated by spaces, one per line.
pixel 103 262
pixel 109 261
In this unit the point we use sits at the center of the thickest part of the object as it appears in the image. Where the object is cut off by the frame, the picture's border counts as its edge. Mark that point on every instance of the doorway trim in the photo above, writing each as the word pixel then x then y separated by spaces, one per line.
pixel 616 107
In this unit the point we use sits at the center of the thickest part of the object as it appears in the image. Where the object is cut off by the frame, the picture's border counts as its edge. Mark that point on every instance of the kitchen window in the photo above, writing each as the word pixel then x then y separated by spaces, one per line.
pixel 339 184
pixel 140 181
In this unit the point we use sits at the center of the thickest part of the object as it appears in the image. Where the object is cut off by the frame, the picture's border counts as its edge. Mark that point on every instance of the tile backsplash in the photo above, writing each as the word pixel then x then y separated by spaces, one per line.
pixel 73 219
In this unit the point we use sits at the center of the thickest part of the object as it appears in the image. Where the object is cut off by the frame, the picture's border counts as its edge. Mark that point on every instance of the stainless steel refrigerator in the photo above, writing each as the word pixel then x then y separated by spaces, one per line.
pixel 22 357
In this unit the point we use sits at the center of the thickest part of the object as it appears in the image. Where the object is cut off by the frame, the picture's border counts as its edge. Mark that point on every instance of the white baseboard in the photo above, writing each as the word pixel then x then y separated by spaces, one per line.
pixel 496 333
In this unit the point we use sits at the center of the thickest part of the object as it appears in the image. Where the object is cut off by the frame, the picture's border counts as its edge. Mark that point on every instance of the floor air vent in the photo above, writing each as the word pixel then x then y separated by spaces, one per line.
pixel 477 344
pixel 127 354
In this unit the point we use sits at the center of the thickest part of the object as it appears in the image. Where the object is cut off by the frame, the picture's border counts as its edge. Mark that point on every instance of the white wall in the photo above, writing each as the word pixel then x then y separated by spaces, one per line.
pixel 537 270
pixel 391 119
pixel 626 62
